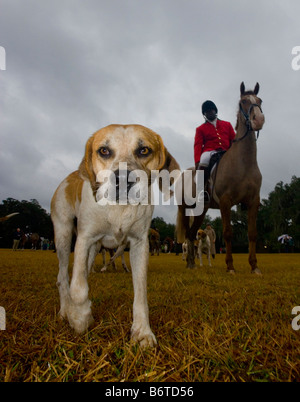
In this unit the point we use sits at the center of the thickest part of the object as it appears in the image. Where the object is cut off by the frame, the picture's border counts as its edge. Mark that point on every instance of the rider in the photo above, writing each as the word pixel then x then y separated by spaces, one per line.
pixel 212 136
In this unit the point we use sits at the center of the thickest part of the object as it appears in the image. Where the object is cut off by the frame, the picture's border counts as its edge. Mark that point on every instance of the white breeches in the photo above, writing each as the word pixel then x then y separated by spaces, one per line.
pixel 205 158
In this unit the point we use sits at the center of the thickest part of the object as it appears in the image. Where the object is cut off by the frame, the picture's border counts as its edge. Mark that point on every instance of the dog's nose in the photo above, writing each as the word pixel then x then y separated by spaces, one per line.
pixel 123 185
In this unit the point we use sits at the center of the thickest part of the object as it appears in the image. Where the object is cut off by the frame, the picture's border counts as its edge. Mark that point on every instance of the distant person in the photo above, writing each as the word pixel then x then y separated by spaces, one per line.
pixel 212 237
pixel 16 239
pixel 212 136
pixel 291 244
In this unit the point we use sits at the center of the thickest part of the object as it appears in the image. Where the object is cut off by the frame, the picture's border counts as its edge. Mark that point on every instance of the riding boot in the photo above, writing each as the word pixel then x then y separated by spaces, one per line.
pixel 206 177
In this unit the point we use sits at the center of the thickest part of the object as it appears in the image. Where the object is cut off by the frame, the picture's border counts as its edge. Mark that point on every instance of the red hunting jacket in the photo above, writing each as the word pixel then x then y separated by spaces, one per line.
pixel 209 138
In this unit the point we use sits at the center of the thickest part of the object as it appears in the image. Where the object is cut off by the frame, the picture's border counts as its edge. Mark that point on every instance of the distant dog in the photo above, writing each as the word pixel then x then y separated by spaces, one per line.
pixel 109 225
pixel 204 246
pixel 113 256
pixel 184 250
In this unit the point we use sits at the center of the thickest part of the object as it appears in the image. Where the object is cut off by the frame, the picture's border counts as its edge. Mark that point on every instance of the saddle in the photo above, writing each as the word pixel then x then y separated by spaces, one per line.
pixel 213 164
pixel 214 160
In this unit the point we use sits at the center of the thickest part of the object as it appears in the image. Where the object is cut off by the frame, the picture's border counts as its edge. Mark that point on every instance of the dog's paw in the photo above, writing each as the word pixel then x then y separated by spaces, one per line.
pixel 81 325
pixel 145 338
pixel 80 317
pixel 62 315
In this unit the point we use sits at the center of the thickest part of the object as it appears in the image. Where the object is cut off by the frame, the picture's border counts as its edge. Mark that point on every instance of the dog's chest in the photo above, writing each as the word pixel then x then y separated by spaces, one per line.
pixel 119 224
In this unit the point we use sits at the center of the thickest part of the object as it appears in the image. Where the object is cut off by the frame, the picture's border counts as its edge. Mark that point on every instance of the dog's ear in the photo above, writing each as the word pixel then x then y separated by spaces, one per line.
pixel 86 170
pixel 170 162
pixel 171 165
pixel 160 155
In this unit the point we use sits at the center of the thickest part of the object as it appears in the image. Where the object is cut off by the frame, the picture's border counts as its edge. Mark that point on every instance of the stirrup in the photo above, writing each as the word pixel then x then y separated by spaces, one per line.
pixel 203 195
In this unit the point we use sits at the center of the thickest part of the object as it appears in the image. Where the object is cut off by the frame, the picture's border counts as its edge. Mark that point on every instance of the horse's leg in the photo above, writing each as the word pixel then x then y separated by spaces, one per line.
pixel 152 247
pixel 252 235
pixel 191 236
pixel 225 207
pixel 190 258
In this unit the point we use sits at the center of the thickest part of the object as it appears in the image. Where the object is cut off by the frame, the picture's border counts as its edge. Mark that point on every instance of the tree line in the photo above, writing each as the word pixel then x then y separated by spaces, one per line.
pixel 279 214
pixel 31 218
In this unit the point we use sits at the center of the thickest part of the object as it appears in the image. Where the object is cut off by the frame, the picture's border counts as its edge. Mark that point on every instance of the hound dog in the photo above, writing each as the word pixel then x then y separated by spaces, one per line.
pixel 113 256
pixel 112 225
pixel 203 246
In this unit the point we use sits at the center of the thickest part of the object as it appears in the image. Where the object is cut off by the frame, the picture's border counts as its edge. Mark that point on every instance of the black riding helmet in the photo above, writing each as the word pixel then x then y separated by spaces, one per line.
pixel 207 105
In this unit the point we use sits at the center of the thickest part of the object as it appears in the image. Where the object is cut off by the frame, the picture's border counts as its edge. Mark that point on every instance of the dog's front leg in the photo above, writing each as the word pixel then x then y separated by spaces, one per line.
pixel 140 330
pixel 79 311
pixel 208 257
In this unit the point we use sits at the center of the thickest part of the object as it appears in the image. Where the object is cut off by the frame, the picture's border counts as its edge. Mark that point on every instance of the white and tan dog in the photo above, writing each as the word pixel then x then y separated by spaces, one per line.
pixel 184 250
pixel 203 246
pixel 79 196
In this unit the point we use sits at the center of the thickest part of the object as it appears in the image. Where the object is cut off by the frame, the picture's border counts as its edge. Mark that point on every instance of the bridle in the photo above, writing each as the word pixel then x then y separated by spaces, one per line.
pixel 248 121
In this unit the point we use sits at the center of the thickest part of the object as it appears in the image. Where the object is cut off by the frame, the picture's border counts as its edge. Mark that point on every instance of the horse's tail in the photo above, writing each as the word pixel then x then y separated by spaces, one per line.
pixel 180 227
pixel 13 214
pixel 8 216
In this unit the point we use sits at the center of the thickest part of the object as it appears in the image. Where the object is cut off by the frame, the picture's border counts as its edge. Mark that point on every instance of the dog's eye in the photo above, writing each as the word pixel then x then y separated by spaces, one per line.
pixel 104 152
pixel 144 151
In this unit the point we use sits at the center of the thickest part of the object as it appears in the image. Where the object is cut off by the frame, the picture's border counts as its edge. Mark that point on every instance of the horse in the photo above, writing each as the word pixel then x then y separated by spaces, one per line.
pixel 184 250
pixel 170 244
pixel 32 238
pixel 154 241
pixel 236 179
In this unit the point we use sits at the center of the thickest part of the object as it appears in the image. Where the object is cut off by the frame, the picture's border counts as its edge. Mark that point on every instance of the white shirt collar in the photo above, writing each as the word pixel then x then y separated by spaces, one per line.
pixel 214 122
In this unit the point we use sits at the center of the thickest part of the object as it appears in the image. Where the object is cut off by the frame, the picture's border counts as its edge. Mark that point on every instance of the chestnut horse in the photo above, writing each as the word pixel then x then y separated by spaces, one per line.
pixel 31 238
pixel 235 180
pixel 154 241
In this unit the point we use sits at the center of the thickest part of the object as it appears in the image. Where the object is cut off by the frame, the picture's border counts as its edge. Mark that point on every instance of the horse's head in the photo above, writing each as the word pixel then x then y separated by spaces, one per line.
pixel 250 107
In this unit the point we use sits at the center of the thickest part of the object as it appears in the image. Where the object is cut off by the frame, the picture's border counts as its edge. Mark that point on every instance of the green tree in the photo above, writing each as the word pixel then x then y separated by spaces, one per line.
pixel 280 214
pixel 165 229
pixel 31 218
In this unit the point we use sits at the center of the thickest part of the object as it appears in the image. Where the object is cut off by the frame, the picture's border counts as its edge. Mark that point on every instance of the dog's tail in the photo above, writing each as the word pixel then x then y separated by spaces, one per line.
pixel 180 227
pixel 8 216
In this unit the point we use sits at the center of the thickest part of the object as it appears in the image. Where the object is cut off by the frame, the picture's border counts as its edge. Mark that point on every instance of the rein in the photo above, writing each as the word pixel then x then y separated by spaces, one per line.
pixel 248 121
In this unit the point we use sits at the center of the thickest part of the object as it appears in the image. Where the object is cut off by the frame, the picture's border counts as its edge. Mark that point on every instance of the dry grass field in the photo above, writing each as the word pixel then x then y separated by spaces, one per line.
pixel 210 326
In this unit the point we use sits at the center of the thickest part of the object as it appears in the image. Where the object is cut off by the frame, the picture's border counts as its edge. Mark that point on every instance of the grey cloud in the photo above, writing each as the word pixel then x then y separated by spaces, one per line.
pixel 73 67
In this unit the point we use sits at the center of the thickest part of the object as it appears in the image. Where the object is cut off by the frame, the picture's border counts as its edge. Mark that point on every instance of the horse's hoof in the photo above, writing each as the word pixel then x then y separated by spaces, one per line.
pixel 231 271
pixel 256 271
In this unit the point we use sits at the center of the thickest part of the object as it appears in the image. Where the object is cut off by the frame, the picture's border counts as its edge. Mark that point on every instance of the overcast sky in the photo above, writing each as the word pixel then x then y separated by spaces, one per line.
pixel 74 66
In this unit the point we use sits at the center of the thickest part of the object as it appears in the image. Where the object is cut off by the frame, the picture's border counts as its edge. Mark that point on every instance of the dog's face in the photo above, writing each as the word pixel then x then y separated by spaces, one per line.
pixel 124 156
pixel 201 234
